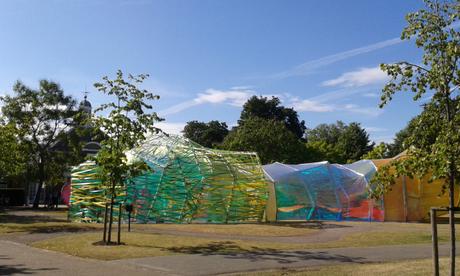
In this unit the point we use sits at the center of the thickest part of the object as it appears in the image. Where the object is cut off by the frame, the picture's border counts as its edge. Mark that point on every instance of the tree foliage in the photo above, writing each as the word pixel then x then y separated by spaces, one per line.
pixel 13 160
pixel 269 138
pixel 339 142
pixel 41 117
pixel 434 144
pixel 208 134
pixel 271 109
pixel 125 124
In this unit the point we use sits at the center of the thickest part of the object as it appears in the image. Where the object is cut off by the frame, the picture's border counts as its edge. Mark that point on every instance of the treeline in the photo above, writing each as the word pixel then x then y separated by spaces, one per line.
pixel 277 134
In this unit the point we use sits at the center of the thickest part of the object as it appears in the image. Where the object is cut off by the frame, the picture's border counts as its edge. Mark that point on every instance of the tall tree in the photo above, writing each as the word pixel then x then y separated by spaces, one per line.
pixel 329 133
pixel 340 142
pixel 125 124
pixel 13 159
pixel 354 142
pixel 41 117
pixel 271 109
pixel 269 138
pixel 207 134
pixel 438 74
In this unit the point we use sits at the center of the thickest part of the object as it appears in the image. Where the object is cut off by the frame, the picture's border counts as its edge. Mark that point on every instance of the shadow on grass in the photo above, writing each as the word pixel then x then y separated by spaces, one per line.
pixel 254 254
pixel 28 219
pixel 309 225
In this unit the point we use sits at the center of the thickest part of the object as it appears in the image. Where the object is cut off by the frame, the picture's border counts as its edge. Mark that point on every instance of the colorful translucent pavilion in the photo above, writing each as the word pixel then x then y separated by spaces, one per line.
pixel 186 183
pixel 321 191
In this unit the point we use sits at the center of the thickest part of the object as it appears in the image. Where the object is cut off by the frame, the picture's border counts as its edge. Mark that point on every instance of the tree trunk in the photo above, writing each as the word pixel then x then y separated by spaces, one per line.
pixel 452 170
pixel 112 201
pixel 452 220
pixel 41 176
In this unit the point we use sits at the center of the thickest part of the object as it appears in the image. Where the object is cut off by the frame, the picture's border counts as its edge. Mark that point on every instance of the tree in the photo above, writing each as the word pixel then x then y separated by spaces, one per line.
pixel 125 126
pixel 400 142
pixel 269 138
pixel 329 133
pixel 41 117
pixel 13 159
pixel 321 151
pixel 354 143
pixel 206 134
pixel 340 143
pixel 438 73
pixel 270 109
pixel 379 152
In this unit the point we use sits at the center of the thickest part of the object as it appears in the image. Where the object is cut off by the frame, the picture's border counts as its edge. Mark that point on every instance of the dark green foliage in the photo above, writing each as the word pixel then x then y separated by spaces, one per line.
pixel 269 138
pixel 438 73
pixel 124 127
pixel 379 152
pixel 207 134
pixel 270 109
pixel 339 142
pixel 13 160
pixel 41 118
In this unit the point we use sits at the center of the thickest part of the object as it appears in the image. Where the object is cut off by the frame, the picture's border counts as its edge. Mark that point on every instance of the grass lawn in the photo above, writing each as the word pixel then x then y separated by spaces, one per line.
pixel 143 245
pixel 142 242
pixel 411 268
pixel 261 230
pixel 39 221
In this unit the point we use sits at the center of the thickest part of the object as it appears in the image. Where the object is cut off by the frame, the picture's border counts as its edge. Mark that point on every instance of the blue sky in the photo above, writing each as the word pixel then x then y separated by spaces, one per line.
pixel 206 58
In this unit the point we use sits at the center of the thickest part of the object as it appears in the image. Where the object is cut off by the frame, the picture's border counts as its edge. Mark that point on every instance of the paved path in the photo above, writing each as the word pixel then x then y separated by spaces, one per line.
pixel 19 259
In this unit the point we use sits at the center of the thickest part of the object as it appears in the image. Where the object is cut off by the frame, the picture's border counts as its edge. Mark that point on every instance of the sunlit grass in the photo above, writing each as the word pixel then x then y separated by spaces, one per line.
pixel 411 268
pixel 143 245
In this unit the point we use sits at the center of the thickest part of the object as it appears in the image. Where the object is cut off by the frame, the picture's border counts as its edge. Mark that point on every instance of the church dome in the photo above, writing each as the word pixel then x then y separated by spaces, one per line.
pixel 85 105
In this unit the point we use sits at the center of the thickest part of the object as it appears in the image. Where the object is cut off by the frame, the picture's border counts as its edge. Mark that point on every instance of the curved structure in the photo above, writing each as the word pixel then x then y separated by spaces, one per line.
pixel 189 183
pixel 322 191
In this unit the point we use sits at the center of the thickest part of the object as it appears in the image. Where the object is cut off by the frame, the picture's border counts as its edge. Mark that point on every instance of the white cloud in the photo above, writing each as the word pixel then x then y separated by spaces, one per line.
pixel 310 66
pixel 360 77
pixel 375 129
pixel 319 104
pixel 171 128
pixel 311 106
pixel 233 97
pixel 368 111
pixel 384 139
pixel 371 95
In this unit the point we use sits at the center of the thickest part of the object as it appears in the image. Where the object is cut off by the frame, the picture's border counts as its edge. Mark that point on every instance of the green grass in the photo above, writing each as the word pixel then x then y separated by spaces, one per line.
pixel 260 230
pixel 144 245
pixel 410 268
pixel 39 221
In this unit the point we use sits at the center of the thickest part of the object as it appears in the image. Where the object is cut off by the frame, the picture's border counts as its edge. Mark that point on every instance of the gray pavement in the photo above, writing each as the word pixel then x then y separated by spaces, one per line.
pixel 20 259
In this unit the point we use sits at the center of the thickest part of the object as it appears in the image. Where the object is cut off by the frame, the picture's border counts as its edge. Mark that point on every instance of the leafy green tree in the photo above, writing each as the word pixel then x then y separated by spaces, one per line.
pixel 271 109
pixel 125 123
pixel 323 151
pixel 206 134
pixel 41 117
pixel 354 143
pixel 269 138
pixel 13 160
pixel 329 133
pixel 379 152
pixel 340 143
pixel 400 144
pixel 438 74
